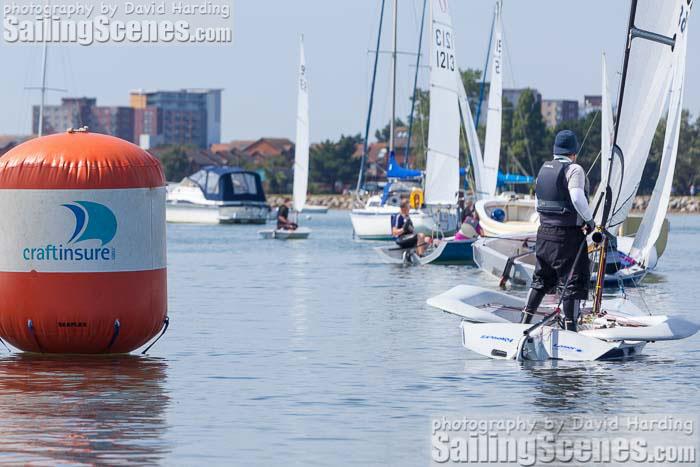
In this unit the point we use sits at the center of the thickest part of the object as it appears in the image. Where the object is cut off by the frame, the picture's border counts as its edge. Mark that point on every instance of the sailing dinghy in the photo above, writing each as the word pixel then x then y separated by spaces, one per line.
pixel 442 167
pixel 301 158
pixel 655 50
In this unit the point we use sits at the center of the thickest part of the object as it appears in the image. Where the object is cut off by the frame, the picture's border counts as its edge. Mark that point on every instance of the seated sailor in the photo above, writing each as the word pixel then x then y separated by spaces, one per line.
pixel 283 222
pixel 404 233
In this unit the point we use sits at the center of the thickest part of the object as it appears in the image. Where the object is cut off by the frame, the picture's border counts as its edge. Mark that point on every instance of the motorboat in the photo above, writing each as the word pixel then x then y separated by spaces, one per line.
pixel 218 195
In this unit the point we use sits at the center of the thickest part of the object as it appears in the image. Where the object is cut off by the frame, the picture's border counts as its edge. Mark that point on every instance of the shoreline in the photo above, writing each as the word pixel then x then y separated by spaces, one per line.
pixel 677 204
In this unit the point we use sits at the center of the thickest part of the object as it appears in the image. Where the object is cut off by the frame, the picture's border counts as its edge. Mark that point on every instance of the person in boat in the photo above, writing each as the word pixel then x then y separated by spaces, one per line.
pixel 404 233
pixel 565 220
pixel 283 222
pixel 470 227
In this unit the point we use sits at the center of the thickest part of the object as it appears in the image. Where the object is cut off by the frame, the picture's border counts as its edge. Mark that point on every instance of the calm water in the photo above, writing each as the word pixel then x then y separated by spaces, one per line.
pixel 315 353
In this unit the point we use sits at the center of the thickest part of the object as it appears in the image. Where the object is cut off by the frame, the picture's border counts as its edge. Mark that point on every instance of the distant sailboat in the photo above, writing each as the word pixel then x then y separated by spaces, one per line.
pixel 373 221
pixel 301 156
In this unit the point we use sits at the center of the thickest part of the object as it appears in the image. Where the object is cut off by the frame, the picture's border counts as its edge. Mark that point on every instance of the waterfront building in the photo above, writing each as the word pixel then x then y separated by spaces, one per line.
pixel 556 111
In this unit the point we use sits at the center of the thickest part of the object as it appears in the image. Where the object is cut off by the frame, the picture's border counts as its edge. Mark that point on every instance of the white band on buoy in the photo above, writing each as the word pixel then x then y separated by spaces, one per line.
pixel 105 230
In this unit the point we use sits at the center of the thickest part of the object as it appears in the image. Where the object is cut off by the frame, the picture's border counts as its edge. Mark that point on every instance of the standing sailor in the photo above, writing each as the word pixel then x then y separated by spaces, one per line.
pixel 565 220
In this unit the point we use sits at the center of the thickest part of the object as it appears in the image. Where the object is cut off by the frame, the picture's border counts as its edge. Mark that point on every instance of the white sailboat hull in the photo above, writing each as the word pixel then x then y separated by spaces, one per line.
pixel 507 342
pixel 492 254
pixel 491 327
pixel 212 214
pixel 521 215
pixel 280 234
pixel 375 223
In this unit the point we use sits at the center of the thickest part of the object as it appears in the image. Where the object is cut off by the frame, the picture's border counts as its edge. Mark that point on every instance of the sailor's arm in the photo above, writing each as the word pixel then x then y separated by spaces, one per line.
pixel 577 183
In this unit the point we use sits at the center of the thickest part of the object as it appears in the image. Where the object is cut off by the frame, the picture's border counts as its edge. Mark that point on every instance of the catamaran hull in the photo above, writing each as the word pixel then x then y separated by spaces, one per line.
pixel 212 214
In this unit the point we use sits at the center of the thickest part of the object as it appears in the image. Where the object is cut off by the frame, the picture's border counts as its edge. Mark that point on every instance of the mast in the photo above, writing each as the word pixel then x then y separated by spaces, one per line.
pixel 393 79
pixel 415 86
pixel 371 104
pixel 43 88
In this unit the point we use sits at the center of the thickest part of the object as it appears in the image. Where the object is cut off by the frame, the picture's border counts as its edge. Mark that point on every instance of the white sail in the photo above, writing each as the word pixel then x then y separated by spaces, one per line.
pixel 492 145
pixel 607 123
pixel 301 151
pixel 648 77
pixel 472 141
pixel 442 167
pixel 653 220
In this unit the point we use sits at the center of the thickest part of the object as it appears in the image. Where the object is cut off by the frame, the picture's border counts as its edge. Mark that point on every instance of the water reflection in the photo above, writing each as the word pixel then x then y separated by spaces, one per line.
pixel 572 387
pixel 106 409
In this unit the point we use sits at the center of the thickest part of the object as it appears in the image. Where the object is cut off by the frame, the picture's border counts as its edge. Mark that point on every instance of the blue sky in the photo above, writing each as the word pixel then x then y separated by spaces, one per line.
pixel 554 45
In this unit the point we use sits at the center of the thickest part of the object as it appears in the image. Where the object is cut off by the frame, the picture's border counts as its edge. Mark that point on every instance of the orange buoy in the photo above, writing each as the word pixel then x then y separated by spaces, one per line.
pixel 82 245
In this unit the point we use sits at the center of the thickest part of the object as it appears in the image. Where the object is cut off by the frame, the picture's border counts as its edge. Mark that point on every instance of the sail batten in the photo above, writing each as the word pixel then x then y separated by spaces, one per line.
pixel 301 151
pixel 442 167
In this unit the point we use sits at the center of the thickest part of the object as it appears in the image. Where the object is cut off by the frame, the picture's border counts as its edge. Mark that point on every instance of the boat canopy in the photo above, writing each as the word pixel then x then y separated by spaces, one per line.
pixel 514 179
pixel 228 184
pixel 396 171
pixel 507 178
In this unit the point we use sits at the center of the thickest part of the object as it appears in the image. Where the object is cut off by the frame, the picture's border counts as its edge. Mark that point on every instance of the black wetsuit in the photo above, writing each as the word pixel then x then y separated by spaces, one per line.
pixel 408 238
pixel 283 212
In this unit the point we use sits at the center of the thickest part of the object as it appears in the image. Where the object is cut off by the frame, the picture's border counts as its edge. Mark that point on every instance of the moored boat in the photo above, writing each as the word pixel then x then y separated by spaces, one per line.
pixel 218 195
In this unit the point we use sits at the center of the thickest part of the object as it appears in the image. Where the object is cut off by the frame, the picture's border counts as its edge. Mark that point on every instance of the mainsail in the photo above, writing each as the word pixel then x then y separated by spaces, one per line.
pixel 492 145
pixel 472 141
pixel 442 167
pixel 645 80
pixel 653 220
pixel 301 151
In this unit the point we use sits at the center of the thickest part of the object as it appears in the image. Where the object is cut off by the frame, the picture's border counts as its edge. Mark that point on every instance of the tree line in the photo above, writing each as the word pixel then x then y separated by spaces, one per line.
pixel 526 143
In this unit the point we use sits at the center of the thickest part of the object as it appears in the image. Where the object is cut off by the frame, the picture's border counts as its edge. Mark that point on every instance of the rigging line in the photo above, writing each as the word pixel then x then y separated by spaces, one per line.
pixel 371 102
pixel 585 138
pixel 593 164
pixel 506 52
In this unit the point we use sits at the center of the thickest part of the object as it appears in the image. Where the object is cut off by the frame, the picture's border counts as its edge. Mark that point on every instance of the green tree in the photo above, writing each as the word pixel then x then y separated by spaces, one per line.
pixel 331 163
pixel 529 132
pixel 175 162
pixel 383 135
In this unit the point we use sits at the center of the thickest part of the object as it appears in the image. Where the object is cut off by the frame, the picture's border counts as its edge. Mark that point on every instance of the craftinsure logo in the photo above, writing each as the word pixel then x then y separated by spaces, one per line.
pixel 93 221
